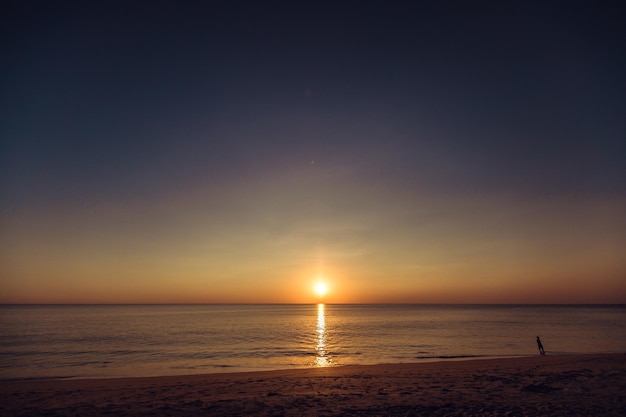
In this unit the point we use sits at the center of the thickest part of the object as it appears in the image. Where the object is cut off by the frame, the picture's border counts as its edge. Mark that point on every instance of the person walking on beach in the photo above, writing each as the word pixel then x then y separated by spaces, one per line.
pixel 540 346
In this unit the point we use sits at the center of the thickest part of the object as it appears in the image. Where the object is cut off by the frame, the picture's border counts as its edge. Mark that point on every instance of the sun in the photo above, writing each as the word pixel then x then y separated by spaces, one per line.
pixel 320 288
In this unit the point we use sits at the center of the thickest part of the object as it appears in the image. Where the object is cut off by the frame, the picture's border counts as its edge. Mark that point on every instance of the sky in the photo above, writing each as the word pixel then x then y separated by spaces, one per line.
pixel 238 152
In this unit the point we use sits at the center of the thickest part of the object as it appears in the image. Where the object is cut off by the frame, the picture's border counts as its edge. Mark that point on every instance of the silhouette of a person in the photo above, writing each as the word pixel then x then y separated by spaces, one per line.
pixel 540 346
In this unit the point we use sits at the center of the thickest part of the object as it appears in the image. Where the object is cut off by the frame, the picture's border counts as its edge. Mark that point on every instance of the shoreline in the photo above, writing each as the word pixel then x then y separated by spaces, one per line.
pixel 581 384
pixel 432 359
pixel 417 362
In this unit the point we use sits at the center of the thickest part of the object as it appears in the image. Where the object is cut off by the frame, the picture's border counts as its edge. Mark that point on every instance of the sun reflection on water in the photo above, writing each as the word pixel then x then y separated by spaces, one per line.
pixel 321 354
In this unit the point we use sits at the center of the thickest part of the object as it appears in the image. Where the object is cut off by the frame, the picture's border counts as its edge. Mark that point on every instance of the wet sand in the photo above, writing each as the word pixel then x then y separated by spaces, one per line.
pixel 567 385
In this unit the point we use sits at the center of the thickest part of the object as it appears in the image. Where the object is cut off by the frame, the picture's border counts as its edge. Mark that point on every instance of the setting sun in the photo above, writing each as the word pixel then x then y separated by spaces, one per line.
pixel 321 288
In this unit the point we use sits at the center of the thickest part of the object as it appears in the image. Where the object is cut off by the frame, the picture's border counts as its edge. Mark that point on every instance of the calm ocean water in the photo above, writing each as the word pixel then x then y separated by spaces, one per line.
pixel 112 341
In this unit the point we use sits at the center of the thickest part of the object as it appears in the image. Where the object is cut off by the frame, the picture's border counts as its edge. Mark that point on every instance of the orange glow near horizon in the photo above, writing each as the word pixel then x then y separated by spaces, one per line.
pixel 62 259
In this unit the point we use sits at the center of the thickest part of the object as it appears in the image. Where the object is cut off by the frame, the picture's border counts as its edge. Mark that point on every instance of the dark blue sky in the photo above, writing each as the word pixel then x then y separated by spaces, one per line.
pixel 129 104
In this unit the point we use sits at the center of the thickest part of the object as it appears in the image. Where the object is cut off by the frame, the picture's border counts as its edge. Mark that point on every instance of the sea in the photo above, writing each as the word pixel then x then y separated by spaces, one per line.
pixel 107 341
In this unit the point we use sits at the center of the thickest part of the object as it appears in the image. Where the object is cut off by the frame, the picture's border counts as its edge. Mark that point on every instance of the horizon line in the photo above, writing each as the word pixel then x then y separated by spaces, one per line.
pixel 312 303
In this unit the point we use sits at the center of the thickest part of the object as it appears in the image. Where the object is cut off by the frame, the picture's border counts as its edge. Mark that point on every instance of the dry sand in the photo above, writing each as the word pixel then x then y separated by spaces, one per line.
pixel 585 385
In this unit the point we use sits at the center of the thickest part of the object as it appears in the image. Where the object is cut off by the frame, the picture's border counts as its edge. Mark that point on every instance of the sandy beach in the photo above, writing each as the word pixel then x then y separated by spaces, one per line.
pixel 534 386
